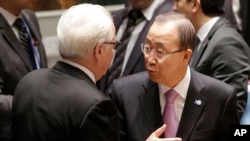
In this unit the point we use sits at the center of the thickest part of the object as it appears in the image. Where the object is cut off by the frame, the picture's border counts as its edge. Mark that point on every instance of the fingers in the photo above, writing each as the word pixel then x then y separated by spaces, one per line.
pixel 160 130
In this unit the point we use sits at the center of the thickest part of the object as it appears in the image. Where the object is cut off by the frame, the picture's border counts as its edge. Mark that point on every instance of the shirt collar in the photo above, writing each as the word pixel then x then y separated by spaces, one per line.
pixel 10 18
pixel 181 87
pixel 84 69
pixel 205 28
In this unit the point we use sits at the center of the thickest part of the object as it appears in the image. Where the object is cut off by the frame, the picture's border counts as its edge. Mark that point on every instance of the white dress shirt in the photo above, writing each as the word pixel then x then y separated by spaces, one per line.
pixel 182 89
pixel 84 69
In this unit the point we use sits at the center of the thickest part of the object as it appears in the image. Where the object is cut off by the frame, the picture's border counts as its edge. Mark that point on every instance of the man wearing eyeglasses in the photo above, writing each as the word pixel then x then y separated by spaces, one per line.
pixel 63 103
pixel 128 58
pixel 202 107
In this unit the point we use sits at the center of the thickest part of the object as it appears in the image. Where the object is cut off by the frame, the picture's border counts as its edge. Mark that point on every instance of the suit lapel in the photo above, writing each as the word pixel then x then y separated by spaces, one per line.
pixel 193 108
pixel 118 18
pixel 11 38
pixel 205 43
pixel 150 104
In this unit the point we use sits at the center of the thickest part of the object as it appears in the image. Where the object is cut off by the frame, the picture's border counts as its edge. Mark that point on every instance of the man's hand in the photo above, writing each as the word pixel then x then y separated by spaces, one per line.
pixel 156 134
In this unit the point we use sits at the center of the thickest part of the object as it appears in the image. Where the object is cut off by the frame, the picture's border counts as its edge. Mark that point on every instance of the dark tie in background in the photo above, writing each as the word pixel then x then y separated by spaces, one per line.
pixel 169 115
pixel 25 40
pixel 134 17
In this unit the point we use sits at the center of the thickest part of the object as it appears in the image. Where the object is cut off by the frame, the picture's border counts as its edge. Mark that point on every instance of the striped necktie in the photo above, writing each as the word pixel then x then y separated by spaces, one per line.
pixel 25 40
pixel 134 17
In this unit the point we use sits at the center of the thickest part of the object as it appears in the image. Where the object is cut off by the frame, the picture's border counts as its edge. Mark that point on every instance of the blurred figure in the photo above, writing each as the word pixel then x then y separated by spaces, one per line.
pixel 68 3
pixel 133 23
pixel 221 53
pixel 63 103
pixel 43 5
pixel 21 51
pixel 171 93
pixel 238 13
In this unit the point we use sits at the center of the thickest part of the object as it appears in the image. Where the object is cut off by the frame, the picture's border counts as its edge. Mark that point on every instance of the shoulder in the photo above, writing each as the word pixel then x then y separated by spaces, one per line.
pixel 28 12
pixel 210 84
pixel 132 80
pixel 133 84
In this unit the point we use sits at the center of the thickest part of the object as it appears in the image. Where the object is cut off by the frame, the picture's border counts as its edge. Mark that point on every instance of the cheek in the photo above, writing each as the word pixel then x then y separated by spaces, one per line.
pixel 110 57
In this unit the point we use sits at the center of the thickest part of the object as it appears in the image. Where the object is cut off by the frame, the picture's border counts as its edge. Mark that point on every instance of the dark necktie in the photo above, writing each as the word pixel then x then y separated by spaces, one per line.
pixel 169 114
pixel 134 17
pixel 25 40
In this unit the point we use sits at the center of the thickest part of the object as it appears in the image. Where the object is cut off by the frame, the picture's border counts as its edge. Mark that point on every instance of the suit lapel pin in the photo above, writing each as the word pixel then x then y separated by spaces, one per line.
pixel 197 102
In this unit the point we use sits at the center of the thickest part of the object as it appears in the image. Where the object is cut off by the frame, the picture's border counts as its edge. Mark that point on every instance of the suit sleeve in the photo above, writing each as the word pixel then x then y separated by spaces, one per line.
pixel 101 123
pixel 230 64
pixel 231 117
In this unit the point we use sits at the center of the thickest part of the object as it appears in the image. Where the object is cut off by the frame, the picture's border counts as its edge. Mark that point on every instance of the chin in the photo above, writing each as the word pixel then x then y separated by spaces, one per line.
pixel 153 77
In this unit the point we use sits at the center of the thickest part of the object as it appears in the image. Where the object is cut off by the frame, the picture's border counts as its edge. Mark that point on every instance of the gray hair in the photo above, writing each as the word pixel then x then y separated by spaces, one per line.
pixel 186 32
pixel 81 28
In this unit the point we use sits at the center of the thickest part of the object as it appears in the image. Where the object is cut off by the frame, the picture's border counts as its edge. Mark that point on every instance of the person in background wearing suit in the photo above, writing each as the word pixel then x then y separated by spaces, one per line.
pixel 131 59
pixel 14 59
pixel 238 13
pixel 221 53
pixel 141 98
pixel 64 103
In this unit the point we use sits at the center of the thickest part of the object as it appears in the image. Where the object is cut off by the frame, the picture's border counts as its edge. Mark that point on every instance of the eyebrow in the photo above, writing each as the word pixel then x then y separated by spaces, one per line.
pixel 158 42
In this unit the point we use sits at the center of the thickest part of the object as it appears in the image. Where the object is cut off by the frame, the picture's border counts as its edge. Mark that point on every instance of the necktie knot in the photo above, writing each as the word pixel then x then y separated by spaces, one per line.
pixel 170 96
pixel 19 24
pixel 135 16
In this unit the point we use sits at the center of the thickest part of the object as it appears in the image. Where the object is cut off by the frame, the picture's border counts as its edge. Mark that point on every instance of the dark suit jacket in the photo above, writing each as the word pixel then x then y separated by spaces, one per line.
pixel 136 60
pixel 14 64
pixel 225 55
pixel 137 99
pixel 62 104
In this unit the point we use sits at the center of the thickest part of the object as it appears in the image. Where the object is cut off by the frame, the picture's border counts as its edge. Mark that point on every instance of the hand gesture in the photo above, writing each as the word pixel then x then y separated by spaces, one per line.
pixel 156 134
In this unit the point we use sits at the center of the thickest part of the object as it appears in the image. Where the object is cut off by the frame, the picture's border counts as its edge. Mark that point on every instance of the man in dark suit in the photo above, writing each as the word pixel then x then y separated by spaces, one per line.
pixel 222 52
pixel 239 15
pixel 14 62
pixel 63 103
pixel 204 107
pixel 133 61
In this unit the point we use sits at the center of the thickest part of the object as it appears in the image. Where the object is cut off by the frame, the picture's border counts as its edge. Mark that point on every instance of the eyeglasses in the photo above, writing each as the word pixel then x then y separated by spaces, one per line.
pixel 116 44
pixel 146 49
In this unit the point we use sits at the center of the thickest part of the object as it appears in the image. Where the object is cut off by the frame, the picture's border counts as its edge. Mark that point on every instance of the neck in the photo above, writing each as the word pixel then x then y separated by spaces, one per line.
pixel 14 10
pixel 199 20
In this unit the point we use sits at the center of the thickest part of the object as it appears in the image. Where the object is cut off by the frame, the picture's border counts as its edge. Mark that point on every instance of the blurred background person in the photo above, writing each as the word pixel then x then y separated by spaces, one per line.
pixel 67 3
pixel 64 103
pixel 43 5
pixel 21 51
pixel 132 24
pixel 221 53
pixel 238 13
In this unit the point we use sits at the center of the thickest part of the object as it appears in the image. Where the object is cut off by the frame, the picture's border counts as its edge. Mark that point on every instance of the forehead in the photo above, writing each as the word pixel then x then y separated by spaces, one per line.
pixel 163 32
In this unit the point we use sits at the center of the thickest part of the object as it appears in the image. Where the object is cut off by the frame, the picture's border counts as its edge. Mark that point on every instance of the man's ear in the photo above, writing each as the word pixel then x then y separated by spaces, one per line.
pixel 187 55
pixel 98 51
pixel 196 5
